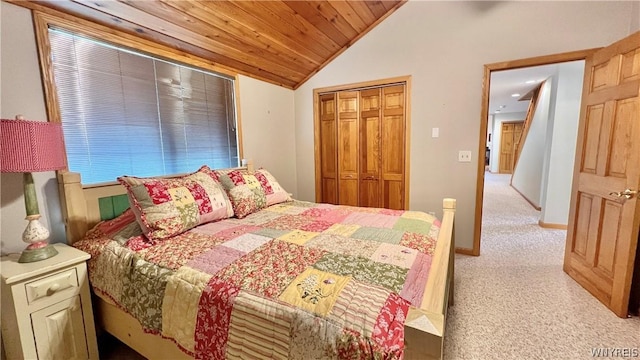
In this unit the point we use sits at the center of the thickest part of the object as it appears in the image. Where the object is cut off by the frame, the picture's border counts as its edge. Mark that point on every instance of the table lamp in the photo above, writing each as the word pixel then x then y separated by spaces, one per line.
pixel 30 146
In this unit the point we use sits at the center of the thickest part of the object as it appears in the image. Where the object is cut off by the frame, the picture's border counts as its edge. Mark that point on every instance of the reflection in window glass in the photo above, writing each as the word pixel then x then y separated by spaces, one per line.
pixel 128 113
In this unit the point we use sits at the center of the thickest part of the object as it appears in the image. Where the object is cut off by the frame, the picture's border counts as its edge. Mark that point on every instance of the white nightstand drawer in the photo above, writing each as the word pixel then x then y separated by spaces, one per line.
pixel 65 282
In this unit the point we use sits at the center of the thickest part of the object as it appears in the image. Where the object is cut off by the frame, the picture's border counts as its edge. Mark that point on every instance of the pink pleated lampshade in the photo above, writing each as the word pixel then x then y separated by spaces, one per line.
pixel 31 146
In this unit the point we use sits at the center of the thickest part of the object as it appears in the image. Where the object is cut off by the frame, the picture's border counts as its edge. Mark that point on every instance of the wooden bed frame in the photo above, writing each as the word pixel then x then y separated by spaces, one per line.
pixel 424 326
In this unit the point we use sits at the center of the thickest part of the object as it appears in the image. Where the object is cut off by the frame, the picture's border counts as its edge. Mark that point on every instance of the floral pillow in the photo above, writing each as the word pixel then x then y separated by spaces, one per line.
pixel 167 207
pixel 251 191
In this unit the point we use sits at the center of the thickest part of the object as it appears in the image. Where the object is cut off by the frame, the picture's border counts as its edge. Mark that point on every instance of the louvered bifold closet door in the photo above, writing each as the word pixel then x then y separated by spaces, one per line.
pixel 370 154
pixel 392 146
pixel 328 149
pixel 348 148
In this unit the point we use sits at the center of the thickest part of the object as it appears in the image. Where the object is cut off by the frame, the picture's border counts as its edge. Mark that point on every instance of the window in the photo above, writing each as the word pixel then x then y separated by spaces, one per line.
pixel 129 113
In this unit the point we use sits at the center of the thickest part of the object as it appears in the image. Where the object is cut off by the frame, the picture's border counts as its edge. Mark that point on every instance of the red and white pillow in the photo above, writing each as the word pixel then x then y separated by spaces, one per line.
pixel 250 191
pixel 165 207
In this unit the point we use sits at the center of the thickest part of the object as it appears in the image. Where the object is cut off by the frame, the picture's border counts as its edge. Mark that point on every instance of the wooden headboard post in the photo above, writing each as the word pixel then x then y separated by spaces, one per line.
pixel 74 209
pixel 249 165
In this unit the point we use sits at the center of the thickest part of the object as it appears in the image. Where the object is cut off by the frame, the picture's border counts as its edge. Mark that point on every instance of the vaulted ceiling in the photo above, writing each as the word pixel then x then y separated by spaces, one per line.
pixel 282 42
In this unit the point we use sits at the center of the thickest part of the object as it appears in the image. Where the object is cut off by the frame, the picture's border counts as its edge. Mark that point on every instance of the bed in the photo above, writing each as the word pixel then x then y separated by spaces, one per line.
pixel 355 261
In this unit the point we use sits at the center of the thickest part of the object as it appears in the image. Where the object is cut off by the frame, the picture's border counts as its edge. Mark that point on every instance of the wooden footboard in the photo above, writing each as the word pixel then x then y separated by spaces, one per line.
pixel 425 326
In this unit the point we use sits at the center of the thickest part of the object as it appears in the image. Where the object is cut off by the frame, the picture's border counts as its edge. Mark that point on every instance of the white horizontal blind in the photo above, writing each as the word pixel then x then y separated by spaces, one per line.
pixel 129 114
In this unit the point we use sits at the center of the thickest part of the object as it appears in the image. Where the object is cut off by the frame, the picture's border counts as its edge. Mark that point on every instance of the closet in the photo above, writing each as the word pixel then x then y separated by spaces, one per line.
pixel 361 146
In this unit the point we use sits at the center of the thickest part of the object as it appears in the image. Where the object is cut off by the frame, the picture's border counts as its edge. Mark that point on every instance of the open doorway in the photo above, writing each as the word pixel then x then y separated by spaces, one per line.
pixel 532 179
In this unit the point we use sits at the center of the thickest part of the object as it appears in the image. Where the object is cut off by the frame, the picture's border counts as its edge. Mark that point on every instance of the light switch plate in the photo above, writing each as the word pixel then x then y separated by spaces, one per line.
pixel 435 132
pixel 464 156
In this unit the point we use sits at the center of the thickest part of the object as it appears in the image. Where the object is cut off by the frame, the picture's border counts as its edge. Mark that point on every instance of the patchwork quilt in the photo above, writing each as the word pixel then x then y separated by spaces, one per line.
pixel 296 280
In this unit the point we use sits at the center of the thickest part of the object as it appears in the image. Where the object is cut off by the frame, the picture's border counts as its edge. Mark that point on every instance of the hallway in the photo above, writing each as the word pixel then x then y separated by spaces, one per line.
pixel 515 302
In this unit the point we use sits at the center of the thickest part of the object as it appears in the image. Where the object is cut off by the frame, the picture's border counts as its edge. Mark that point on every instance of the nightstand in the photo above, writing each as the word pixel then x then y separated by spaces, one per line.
pixel 46 307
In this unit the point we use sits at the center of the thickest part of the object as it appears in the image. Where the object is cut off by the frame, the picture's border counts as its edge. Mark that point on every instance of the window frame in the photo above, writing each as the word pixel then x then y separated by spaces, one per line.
pixel 43 21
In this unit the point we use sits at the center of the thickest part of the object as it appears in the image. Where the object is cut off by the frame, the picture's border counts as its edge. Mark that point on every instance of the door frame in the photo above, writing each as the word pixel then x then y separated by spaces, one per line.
pixel 484 120
pixel 406 80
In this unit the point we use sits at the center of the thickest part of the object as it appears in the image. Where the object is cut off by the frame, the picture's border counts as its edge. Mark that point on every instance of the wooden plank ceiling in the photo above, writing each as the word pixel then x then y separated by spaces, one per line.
pixel 282 42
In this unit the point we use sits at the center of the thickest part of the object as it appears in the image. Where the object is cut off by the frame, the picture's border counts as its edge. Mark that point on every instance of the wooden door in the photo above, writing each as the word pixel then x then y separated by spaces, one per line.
pixel 517 138
pixel 328 149
pixel 348 148
pixel 603 228
pixel 392 146
pixel 370 184
pixel 506 149
pixel 509 140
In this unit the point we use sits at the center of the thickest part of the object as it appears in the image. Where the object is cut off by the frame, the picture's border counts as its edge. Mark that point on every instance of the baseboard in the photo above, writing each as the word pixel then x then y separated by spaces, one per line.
pixel 526 198
pixel 465 251
pixel 551 225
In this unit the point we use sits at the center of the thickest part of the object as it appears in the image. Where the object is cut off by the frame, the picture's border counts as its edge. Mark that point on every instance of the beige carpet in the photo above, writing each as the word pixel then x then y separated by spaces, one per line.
pixel 515 302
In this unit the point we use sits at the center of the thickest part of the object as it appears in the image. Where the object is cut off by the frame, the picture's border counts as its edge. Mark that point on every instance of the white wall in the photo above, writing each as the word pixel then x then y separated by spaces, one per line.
pixel 634 24
pixel 528 175
pixel 443 46
pixel 266 111
pixel 563 127
pixel 22 94
pixel 267 129
pixel 496 138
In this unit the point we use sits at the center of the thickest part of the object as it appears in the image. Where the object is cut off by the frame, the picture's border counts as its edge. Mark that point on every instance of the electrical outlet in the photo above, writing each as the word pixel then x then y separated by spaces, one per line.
pixel 464 156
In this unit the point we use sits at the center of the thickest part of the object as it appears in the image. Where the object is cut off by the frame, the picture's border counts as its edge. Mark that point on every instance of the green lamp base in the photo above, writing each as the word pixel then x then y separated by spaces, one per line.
pixel 33 255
